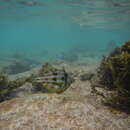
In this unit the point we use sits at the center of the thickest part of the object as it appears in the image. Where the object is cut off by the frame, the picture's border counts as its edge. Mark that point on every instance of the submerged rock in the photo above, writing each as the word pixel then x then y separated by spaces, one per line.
pixel 86 76
pixel 23 91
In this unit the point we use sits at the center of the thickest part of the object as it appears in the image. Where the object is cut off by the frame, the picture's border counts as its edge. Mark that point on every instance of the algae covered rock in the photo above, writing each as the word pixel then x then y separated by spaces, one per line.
pixel 114 74
pixel 4 89
pixel 126 47
pixel 23 90
pixel 7 86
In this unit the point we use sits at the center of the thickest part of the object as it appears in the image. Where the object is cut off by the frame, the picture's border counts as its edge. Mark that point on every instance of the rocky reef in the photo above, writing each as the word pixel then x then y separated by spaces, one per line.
pixel 114 75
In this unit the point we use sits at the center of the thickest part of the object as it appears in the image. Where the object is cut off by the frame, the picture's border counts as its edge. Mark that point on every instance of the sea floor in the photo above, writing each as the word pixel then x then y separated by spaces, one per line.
pixel 74 109
pixel 19 60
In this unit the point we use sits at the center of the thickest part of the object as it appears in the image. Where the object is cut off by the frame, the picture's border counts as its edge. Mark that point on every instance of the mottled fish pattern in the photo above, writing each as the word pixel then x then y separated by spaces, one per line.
pixel 53 80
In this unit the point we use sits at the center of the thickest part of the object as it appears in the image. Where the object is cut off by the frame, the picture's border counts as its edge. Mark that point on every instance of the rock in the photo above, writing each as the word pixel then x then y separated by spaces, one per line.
pixel 23 91
pixel 86 76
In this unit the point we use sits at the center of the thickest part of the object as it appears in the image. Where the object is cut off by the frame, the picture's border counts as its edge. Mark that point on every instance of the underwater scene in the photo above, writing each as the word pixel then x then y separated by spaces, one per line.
pixel 64 64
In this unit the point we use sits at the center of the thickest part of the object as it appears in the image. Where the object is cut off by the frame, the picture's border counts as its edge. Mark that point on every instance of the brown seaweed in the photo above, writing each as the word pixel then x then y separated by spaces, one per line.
pixel 114 74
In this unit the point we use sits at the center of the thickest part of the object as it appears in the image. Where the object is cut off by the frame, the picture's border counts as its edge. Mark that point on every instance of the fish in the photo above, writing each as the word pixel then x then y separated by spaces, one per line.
pixel 53 80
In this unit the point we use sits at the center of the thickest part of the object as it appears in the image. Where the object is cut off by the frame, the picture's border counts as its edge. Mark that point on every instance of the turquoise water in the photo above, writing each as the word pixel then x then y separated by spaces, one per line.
pixel 50 29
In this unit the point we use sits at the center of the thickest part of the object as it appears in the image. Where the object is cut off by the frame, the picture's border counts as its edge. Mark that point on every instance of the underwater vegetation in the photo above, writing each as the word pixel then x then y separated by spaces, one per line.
pixel 4 90
pixel 114 75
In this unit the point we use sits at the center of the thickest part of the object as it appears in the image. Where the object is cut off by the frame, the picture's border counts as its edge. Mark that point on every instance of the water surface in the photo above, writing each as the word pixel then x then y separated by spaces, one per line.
pixel 48 29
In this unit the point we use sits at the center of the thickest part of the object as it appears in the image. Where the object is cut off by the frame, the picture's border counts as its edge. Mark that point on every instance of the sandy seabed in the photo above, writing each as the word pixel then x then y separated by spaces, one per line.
pixel 75 109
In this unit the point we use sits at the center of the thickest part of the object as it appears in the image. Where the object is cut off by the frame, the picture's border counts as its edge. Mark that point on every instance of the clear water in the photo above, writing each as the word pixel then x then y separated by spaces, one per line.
pixel 50 29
